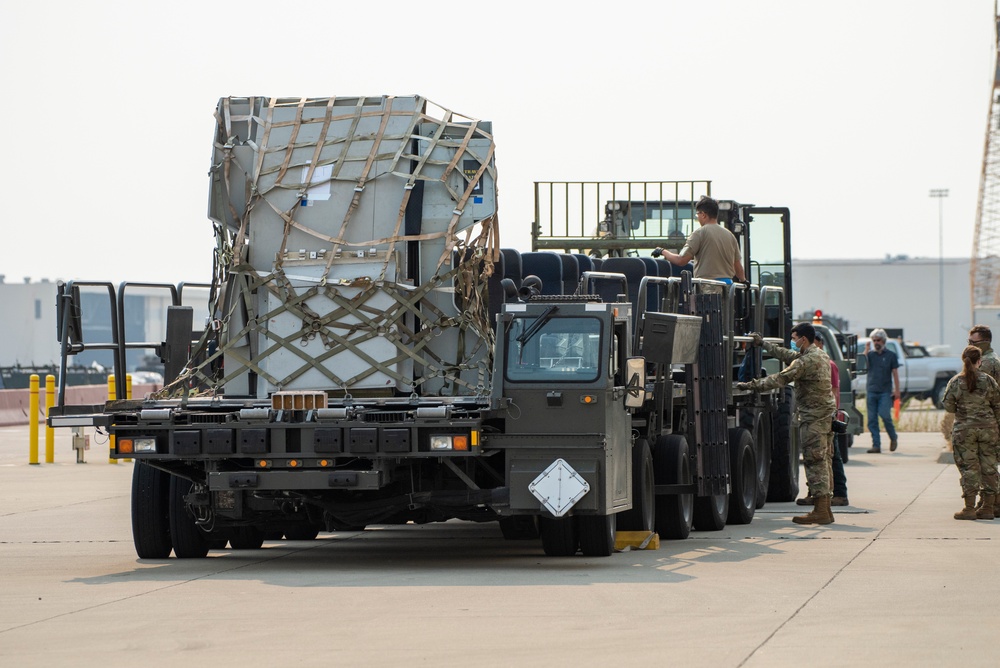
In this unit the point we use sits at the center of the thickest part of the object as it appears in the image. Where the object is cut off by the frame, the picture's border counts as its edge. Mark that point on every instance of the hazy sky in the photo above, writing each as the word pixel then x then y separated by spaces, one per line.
pixel 847 112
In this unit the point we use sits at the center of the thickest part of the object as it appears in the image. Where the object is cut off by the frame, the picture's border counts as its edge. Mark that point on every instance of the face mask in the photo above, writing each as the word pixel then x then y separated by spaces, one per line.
pixel 981 344
pixel 795 346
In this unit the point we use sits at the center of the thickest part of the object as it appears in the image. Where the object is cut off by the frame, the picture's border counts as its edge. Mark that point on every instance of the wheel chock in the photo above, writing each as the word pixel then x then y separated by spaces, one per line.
pixel 636 540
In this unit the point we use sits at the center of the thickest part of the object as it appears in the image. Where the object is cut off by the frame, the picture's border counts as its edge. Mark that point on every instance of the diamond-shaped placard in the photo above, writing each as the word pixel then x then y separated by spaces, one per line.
pixel 559 487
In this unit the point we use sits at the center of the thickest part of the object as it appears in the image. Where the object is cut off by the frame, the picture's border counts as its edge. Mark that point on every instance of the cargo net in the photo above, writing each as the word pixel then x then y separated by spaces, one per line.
pixel 464 266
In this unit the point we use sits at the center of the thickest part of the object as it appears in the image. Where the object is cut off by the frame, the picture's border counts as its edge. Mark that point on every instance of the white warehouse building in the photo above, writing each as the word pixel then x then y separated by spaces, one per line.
pixel 898 292
pixel 894 293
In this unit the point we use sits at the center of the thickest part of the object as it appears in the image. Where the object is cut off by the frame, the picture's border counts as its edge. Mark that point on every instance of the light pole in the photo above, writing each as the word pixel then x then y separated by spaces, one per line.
pixel 940 194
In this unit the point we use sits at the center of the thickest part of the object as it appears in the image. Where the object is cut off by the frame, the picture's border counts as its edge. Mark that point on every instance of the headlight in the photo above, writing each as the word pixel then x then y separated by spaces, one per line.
pixel 440 442
pixel 144 444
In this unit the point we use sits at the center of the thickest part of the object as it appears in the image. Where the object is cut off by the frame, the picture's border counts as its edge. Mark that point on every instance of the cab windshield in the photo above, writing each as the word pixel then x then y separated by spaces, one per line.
pixel 563 349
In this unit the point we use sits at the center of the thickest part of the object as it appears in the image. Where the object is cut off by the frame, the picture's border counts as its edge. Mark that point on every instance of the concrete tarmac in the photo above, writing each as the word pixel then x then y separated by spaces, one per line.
pixel 895 581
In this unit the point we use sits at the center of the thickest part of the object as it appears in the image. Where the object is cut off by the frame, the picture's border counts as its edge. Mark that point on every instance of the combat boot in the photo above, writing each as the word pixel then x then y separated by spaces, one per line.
pixel 985 512
pixel 821 513
pixel 969 512
pixel 806 500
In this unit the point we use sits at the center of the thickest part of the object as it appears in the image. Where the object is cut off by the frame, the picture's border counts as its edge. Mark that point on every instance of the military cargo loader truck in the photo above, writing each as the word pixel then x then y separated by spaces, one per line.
pixel 371 355
pixel 615 226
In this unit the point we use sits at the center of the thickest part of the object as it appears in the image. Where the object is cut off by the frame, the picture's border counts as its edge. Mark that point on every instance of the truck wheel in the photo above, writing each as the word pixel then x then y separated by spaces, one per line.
pixel 672 466
pixel 559 537
pixel 150 512
pixel 937 394
pixel 763 439
pixel 301 532
pixel 216 543
pixel 597 534
pixel 710 512
pixel 642 517
pixel 246 538
pixel 743 476
pixel 519 527
pixel 190 542
pixel 760 426
pixel 784 484
pixel 843 443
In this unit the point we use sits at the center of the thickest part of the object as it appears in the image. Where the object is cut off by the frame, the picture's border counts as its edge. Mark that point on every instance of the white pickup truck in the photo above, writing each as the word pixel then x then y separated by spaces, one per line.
pixel 921 376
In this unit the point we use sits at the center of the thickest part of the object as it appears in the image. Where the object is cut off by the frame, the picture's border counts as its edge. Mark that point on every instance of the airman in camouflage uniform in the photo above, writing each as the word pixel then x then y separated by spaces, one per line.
pixel 975 434
pixel 981 337
pixel 810 369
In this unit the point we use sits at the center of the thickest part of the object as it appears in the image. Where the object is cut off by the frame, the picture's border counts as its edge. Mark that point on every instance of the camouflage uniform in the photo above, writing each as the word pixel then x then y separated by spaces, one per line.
pixel 975 434
pixel 815 406
pixel 991 366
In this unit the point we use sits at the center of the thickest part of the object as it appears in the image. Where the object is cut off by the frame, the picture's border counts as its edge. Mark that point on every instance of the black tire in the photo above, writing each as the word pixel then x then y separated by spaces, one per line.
pixel 519 527
pixel 216 543
pixel 784 485
pixel 559 538
pixel 743 476
pixel 190 542
pixel 759 425
pixel 150 512
pixel 843 444
pixel 597 534
pixel 302 532
pixel 937 394
pixel 246 538
pixel 763 438
pixel 672 466
pixel 642 516
pixel 710 512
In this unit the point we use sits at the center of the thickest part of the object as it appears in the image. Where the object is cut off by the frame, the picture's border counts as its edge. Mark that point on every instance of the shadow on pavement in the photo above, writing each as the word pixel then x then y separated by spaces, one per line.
pixel 464 554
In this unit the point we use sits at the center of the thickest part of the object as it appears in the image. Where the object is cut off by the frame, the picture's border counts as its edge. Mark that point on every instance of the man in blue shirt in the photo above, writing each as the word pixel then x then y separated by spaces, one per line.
pixel 883 376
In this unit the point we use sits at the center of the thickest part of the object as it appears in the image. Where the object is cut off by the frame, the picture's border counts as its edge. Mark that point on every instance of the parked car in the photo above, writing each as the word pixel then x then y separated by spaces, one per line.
pixel 921 375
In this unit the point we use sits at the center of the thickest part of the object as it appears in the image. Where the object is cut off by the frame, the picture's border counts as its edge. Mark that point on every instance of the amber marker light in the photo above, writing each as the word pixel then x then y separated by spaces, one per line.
pixel 293 463
pixel 475 438
pixel 460 442
pixel 588 399
pixel 125 445
pixel 263 463
pixel 324 462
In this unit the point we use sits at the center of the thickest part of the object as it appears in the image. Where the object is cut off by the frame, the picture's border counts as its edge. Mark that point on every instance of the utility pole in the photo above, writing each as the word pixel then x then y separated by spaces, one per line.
pixel 940 194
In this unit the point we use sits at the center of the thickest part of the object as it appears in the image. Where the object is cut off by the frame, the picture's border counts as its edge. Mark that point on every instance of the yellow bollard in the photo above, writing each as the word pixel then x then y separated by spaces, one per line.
pixel 112 395
pixel 33 419
pixel 128 395
pixel 50 433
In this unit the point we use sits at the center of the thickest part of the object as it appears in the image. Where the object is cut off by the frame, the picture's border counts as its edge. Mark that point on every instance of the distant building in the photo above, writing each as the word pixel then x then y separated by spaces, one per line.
pixel 28 326
pixel 896 292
